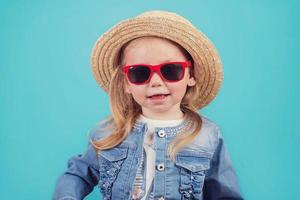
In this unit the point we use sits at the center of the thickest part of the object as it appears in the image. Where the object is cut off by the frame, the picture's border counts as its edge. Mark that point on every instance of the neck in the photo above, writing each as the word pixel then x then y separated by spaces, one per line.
pixel 163 115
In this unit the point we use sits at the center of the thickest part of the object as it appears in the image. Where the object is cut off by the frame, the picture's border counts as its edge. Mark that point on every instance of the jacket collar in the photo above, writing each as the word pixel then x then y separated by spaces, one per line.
pixel 140 126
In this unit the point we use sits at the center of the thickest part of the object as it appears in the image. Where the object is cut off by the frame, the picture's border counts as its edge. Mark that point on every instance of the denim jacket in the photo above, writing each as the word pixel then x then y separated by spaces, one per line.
pixel 203 169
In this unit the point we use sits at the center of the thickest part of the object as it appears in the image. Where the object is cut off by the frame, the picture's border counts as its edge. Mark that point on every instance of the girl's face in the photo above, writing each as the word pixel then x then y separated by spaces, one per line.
pixel 152 51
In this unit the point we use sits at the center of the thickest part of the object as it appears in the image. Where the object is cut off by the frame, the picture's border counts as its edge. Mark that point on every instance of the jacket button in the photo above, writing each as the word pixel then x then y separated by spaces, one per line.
pixel 161 198
pixel 161 133
pixel 161 167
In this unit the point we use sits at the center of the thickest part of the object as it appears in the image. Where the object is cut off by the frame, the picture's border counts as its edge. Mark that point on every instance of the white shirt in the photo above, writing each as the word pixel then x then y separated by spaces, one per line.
pixel 148 145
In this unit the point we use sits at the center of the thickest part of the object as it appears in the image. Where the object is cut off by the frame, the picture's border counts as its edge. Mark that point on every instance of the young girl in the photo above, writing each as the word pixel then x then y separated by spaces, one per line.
pixel 158 70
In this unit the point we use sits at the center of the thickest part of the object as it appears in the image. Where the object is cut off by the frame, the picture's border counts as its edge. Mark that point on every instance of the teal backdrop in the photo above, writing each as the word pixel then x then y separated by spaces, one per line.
pixel 49 99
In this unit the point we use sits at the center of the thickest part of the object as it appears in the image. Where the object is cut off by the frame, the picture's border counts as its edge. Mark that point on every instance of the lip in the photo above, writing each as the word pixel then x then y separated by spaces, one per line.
pixel 159 99
pixel 167 94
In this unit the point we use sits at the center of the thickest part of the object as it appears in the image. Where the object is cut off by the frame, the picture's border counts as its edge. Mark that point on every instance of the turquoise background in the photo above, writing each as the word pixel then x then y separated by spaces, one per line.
pixel 49 99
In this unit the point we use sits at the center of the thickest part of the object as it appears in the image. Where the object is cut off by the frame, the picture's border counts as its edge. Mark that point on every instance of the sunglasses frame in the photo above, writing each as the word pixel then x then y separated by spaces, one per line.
pixel 156 68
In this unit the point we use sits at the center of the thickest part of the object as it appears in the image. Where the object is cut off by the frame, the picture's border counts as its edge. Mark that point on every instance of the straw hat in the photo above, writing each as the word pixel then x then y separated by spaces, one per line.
pixel 207 63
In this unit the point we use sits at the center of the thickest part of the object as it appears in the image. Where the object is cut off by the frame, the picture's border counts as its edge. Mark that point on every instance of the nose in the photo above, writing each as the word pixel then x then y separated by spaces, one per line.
pixel 155 80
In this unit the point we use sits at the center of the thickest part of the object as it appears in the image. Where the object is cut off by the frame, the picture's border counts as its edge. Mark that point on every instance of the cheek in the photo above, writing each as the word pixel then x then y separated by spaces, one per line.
pixel 179 89
pixel 138 92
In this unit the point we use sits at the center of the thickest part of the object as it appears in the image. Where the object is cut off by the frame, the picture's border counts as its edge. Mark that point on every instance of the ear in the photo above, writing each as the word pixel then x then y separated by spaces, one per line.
pixel 191 81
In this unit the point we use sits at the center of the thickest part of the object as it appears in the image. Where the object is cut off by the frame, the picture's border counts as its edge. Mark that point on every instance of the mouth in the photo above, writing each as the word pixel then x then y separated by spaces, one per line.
pixel 157 96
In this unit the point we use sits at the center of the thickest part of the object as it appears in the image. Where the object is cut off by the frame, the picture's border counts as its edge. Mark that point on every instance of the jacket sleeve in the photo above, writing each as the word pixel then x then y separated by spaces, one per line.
pixel 80 177
pixel 221 181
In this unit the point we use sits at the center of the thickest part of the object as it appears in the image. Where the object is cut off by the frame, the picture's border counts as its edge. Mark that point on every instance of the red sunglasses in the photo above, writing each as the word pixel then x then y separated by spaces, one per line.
pixel 169 71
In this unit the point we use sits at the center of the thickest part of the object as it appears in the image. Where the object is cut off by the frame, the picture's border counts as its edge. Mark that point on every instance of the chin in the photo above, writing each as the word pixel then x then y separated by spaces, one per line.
pixel 160 110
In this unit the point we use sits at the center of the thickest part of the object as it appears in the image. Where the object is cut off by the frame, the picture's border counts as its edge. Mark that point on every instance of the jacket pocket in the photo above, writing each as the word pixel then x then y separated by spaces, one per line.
pixel 192 166
pixel 110 163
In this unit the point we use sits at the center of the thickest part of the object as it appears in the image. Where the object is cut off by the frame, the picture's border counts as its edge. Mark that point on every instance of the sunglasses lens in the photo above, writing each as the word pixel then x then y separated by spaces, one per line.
pixel 138 74
pixel 172 72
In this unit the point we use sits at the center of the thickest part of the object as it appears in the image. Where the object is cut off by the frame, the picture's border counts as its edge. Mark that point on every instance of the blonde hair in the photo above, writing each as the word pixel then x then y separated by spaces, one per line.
pixel 125 112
